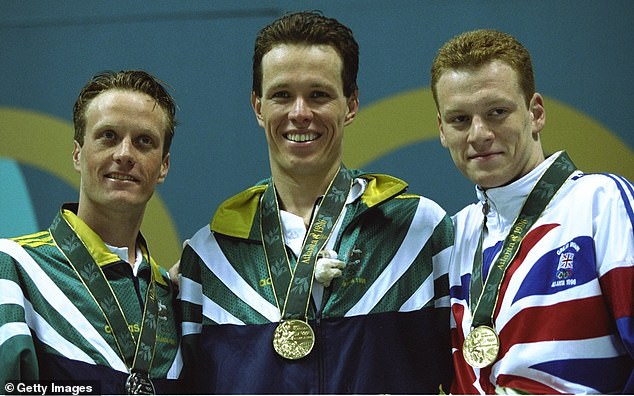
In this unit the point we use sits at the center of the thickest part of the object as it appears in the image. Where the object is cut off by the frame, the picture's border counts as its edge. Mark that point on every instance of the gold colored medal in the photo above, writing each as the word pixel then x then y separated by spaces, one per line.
pixel 293 339
pixel 481 347
pixel 139 383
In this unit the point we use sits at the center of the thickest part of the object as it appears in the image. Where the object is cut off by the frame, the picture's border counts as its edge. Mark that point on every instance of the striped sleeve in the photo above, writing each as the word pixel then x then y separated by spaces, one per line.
pixel 615 258
pixel 18 360
pixel 190 301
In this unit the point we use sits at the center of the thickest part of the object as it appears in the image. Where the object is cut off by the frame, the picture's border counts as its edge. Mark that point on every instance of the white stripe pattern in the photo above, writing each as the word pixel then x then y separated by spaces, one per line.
pixel 9 330
pixel 417 236
pixel 177 365
pixel 51 337
pixel 12 294
pixel 190 328
pixel 190 291
pixel 60 303
pixel 533 354
pixel 589 289
pixel 207 248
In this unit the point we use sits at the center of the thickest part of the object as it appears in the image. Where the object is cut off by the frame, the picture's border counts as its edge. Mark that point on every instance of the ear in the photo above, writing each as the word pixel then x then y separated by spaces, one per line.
pixel 538 113
pixel 353 108
pixel 76 156
pixel 165 166
pixel 443 141
pixel 256 103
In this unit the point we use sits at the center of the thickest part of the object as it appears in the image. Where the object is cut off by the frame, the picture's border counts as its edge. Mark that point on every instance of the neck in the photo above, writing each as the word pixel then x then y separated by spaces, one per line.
pixel 298 194
pixel 119 229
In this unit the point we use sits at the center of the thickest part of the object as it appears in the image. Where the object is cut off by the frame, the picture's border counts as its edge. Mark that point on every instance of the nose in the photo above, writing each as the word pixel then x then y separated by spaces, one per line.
pixel 124 152
pixel 300 111
pixel 479 132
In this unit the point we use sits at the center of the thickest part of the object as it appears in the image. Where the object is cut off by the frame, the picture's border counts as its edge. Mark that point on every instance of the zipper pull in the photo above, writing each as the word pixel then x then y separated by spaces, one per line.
pixel 485 206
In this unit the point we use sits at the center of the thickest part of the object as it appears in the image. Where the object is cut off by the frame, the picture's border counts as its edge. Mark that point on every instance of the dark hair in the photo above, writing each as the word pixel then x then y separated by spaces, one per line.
pixel 476 48
pixel 310 28
pixel 133 80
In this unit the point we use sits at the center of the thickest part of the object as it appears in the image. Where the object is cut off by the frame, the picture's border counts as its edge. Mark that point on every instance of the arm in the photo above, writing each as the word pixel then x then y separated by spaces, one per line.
pixel 190 301
pixel 18 360
pixel 614 241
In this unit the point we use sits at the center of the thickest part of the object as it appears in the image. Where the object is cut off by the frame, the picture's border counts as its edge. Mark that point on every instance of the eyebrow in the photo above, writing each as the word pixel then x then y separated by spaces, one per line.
pixel 113 126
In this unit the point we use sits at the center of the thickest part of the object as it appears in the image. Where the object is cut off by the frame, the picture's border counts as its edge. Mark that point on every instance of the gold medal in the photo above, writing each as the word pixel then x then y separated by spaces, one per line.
pixel 139 383
pixel 293 339
pixel 481 347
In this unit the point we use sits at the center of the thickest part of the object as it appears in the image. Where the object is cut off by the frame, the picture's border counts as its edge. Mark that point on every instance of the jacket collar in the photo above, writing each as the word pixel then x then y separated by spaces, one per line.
pixel 239 215
pixel 96 246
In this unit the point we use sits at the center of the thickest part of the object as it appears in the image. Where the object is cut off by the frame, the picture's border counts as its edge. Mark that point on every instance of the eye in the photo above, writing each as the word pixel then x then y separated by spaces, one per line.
pixel 107 137
pixel 281 95
pixel 146 140
pixel 319 94
pixel 498 112
pixel 458 119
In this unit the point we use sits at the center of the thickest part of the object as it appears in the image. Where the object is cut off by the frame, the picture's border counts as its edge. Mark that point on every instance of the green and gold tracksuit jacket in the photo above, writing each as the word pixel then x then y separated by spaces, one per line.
pixel 383 326
pixel 51 327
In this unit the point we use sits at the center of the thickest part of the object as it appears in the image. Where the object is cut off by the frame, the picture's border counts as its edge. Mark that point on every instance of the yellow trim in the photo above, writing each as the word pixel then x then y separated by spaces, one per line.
pixel 408 196
pixel 98 250
pixel 35 240
pixel 380 188
pixel 35 235
pixel 93 242
pixel 234 216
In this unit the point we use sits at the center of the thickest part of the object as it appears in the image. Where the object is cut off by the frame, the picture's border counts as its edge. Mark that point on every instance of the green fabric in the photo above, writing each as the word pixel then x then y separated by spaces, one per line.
pixel 17 352
pixel 375 231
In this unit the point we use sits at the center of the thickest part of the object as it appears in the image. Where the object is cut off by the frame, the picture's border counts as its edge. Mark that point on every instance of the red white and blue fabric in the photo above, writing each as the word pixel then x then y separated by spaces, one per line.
pixel 565 309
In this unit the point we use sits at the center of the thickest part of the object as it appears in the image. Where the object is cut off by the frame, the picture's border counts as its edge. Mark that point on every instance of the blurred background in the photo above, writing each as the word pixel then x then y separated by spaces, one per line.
pixel 583 55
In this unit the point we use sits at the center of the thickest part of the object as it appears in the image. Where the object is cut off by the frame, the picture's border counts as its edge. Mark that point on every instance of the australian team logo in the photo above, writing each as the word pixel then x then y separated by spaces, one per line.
pixel 564 275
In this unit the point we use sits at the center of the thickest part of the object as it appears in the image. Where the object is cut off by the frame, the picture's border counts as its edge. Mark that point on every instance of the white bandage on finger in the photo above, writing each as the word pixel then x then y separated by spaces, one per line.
pixel 328 267
pixel 327 253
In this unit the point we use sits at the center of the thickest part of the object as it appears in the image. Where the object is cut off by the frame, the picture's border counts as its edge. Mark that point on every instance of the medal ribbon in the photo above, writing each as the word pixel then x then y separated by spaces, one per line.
pixel 538 199
pixel 292 285
pixel 95 281
pixel 476 284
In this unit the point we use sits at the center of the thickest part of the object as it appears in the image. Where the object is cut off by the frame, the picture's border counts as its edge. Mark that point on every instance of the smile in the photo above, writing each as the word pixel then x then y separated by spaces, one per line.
pixel 301 137
pixel 119 176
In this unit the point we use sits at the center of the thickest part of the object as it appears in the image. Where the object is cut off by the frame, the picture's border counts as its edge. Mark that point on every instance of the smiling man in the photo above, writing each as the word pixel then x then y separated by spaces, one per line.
pixel 84 301
pixel 542 278
pixel 319 279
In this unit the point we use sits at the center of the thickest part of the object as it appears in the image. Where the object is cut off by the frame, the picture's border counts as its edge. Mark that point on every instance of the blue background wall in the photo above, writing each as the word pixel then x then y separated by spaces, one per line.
pixel 582 53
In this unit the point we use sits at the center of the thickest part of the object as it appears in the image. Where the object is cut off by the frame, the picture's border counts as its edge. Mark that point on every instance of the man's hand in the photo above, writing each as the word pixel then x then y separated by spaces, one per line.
pixel 175 272
pixel 328 267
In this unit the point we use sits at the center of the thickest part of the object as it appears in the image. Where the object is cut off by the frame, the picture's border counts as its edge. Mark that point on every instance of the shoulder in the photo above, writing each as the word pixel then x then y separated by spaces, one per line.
pixel 382 187
pixel 599 183
pixel 470 214
pixel 391 193
pixel 234 217
pixel 25 251
pixel 598 190
pixel 15 246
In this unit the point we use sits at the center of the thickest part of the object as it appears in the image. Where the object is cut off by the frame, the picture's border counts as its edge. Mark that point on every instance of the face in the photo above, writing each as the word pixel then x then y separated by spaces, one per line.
pixel 121 160
pixel 303 109
pixel 483 119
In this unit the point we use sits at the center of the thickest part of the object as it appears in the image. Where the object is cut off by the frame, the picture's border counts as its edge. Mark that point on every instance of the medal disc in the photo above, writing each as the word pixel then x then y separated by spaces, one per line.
pixel 139 383
pixel 293 339
pixel 481 347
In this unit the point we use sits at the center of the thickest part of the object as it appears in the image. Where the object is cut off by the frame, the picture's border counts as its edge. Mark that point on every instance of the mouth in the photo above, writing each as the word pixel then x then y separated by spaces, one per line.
pixel 483 156
pixel 301 137
pixel 121 177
